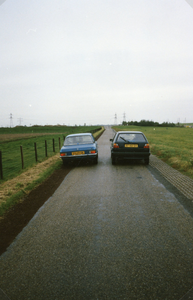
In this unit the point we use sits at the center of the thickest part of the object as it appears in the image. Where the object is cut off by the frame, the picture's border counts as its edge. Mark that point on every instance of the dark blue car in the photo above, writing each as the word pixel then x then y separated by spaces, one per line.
pixel 130 145
pixel 80 146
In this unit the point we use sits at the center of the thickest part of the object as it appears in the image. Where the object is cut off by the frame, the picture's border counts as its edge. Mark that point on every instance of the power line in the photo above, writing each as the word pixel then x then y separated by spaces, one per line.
pixel 20 120
pixel 11 120
pixel 124 117
pixel 115 120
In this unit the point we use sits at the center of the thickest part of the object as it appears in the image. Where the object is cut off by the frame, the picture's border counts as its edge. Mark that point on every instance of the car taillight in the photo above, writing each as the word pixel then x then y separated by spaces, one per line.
pixel 62 154
pixel 146 146
pixel 115 145
pixel 92 151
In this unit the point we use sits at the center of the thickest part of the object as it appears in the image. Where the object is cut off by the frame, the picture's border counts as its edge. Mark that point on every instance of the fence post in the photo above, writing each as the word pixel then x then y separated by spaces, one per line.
pixel 59 144
pixel 22 162
pixel 36 155
pixel 46 151
pixel 53 146
pixel 1 165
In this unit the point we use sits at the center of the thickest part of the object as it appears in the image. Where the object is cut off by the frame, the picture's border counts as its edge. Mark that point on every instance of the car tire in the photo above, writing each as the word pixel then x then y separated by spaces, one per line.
pixel 146 161
pixel 113 159
pixel 96 160
pixel 65 163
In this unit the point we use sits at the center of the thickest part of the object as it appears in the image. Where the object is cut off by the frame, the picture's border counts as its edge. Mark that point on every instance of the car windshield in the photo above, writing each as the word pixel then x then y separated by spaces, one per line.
pixel 79 139
pixel 131 137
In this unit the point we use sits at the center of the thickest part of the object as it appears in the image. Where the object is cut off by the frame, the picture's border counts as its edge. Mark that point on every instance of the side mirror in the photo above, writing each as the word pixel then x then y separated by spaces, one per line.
pixel 111 140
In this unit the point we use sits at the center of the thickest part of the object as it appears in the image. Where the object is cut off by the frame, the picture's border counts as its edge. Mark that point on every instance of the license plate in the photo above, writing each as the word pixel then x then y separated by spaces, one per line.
pixel 78 153
pixel 131 145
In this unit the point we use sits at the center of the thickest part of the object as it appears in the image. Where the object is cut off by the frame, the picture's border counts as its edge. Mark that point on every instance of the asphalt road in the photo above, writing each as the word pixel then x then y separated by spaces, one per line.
pixel 108 232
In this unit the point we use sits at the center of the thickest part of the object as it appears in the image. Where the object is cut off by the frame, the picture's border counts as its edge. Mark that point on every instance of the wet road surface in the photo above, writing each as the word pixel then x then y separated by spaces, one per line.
pixel 108 232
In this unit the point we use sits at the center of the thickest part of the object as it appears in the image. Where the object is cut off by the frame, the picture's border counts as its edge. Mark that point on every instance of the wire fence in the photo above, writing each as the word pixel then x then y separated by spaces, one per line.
pixel 14 158
pixel 18 155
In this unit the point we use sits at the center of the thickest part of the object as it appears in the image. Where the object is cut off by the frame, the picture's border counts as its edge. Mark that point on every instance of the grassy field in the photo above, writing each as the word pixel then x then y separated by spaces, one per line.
pixel 21 132
pixel 174 145
pixel 44 129
pixel 12 138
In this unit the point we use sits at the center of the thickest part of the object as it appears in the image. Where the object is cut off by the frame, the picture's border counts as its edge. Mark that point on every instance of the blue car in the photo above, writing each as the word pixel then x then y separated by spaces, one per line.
pixel 80 146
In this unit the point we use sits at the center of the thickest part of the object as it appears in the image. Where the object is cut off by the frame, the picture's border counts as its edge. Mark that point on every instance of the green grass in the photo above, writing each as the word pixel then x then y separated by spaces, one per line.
pixel 45 129
pixel 173 145
pixel 11 154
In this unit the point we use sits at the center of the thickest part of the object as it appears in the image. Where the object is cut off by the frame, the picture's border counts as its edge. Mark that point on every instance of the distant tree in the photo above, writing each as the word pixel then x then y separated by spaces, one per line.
pixel 166 124
pixel 124 123
pixel 148 123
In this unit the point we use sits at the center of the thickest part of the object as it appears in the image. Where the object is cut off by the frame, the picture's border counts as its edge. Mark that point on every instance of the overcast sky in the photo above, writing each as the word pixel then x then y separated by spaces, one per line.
pixel 85 61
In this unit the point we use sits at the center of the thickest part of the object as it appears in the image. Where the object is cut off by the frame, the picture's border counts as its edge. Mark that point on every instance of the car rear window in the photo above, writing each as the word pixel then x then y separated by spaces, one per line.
pixel 131 137
pixel 74 140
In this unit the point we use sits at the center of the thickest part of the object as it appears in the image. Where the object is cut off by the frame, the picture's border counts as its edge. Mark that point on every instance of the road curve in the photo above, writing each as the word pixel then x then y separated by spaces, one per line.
pixel 108 232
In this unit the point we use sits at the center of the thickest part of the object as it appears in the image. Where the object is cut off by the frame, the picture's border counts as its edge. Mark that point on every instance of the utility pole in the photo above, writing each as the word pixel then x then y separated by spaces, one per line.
pixel 115 121
pixel 11 120
pixel 20 120
pixel 124 118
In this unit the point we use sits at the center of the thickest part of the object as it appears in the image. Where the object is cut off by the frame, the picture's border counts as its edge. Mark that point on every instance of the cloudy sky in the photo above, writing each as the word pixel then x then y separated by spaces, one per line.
pixel 85 61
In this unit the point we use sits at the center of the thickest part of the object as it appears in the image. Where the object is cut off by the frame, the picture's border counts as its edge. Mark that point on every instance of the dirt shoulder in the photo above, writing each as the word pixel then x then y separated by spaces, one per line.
pixel 20 214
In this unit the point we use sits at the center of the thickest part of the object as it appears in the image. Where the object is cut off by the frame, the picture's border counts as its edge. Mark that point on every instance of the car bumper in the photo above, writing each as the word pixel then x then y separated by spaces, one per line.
pixel 131 155
pixel 79 157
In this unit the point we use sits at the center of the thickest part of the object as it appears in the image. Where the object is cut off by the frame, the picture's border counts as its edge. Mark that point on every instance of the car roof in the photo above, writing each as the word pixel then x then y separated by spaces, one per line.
pixel 124 131
pixel 79 134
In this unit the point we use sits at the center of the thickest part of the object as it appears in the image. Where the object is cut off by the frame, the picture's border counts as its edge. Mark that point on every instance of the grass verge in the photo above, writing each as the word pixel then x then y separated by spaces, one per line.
pixel 15 190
